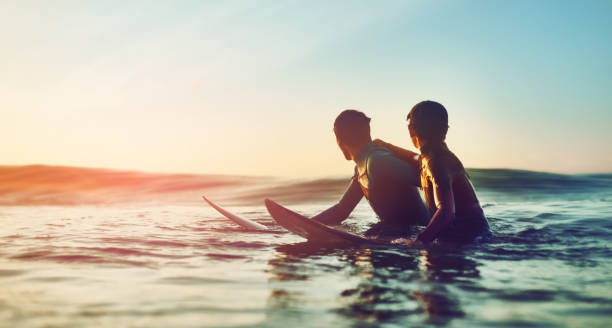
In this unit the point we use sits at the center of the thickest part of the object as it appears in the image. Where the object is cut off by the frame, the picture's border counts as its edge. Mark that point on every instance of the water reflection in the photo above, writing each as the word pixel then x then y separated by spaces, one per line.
pixel 370 286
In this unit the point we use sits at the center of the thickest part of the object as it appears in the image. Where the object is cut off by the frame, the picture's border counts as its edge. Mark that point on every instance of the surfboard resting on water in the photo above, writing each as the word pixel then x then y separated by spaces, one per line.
pixel 245 223
pixel 313 230
pixel 298 224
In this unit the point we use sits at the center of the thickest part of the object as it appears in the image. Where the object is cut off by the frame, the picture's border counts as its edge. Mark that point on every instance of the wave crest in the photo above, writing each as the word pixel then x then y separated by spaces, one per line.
pixel 61 185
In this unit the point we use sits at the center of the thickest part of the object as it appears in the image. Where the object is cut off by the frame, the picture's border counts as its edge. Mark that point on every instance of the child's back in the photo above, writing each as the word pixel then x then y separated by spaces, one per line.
pixel 440 170
pixel 456 213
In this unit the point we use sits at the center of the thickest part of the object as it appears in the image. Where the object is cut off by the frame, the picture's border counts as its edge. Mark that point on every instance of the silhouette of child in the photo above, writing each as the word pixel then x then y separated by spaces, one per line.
pixel 457 215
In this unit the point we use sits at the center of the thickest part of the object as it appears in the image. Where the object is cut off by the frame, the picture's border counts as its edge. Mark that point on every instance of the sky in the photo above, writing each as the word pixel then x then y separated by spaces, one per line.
pixel 252 87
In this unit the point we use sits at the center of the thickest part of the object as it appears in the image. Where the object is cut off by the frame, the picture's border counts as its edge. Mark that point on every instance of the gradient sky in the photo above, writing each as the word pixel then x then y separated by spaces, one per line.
pixel 253 87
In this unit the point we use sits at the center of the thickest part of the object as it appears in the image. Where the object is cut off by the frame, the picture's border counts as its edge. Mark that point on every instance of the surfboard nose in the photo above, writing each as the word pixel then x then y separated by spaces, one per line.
pixel 268 202
pixel 271 205
pixel 246 223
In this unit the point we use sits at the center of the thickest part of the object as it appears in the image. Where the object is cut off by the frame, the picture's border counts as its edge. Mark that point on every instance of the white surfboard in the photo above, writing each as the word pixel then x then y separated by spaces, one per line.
pixel 313 230
pixel 245 223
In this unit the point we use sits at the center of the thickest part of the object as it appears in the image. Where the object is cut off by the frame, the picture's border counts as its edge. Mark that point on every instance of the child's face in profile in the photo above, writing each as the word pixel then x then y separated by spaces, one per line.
pixel 343 148
pixel 413 136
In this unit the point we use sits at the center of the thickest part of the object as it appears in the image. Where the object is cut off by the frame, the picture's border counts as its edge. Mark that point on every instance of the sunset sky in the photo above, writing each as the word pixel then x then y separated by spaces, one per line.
pixel 253 87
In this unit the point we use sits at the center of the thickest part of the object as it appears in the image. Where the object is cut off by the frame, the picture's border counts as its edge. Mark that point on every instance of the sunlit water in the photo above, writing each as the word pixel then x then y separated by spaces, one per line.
pixel 547 263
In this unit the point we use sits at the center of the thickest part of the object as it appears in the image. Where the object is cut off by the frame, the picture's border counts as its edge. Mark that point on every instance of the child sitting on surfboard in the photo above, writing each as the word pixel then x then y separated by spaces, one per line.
pixel 389 183
pixel 457 215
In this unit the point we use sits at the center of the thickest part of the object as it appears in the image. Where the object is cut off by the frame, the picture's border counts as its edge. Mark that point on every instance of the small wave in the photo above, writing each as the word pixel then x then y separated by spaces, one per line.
pixel 238 244
pixel 129 252
pixel 188 280
pixel 162 243
pixel 75 258
pixel 11 273
pixel 519 181
pixel 58 185
pixel 219 256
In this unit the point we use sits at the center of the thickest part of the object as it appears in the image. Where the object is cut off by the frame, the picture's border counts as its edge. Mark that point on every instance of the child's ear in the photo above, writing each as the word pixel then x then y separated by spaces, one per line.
pixel 415 141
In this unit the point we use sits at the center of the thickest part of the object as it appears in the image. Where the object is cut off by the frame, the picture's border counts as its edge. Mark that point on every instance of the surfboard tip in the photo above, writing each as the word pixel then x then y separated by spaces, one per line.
pixel 269 203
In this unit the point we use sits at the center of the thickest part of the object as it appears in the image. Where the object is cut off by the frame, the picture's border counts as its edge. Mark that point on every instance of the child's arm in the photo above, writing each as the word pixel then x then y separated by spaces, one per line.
pixel 401 153
pixel 340 211
pixel 445 204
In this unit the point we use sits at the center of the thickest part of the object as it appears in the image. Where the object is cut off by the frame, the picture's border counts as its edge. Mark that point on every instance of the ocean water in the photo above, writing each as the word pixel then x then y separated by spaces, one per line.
pixel 99 248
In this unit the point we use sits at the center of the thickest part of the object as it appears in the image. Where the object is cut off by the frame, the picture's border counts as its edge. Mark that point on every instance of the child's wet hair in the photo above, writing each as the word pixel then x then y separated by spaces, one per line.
pixel 429 119
pixel 352 126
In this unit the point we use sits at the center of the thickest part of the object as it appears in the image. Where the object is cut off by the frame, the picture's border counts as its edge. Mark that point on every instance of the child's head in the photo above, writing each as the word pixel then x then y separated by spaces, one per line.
pixel 428 123
pixel 352 129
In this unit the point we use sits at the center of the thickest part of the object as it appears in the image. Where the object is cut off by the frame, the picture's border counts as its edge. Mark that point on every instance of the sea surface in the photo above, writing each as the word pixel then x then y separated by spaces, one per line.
pixel 102 248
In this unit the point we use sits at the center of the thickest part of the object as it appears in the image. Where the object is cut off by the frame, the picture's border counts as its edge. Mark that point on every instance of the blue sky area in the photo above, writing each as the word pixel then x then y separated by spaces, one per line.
pixel 252 87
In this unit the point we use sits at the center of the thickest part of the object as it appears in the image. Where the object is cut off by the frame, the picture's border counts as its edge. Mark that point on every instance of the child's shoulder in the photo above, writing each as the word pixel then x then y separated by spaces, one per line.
pixel 441 164
pixel 386 164
pixel 436 159
pixel 435 165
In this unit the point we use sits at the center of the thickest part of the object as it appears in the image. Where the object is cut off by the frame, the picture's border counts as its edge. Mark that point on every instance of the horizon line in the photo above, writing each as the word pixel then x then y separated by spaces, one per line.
pixel 265 176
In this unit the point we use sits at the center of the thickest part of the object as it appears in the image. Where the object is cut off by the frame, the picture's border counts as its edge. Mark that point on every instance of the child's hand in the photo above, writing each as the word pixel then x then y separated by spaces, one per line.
pixel 379 142
pixel 408 242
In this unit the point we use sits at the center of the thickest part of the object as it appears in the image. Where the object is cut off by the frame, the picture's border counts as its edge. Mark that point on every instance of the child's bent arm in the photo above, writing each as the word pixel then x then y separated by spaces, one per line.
pixel 399 152
pixel 445 212
pixel 438 222
pixel 343 208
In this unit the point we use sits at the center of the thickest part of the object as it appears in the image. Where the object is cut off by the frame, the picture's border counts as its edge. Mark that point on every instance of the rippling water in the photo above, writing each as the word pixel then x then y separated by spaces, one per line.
pixel 162 258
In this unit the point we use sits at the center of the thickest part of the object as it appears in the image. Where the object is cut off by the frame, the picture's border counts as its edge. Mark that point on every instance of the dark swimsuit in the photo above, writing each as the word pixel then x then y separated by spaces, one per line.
pixel 440 166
